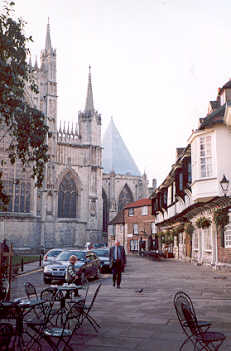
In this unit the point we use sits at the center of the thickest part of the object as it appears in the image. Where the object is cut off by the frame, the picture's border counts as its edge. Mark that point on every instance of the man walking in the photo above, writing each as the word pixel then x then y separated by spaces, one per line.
pixel 117 258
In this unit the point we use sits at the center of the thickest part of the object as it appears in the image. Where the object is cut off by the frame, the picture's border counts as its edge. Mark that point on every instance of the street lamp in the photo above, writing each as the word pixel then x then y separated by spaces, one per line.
pixel 224 185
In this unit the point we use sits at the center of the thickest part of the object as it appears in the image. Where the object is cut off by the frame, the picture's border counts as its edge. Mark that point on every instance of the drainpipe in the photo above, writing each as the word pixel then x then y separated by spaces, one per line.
pixel 216 248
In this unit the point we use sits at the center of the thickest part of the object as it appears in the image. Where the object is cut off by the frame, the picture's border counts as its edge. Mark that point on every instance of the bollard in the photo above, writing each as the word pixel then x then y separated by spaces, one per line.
pixel 22 265
pixel 40 260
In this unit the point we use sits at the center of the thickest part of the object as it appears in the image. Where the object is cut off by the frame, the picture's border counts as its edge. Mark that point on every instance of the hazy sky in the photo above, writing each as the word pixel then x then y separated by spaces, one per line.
pixel 155 66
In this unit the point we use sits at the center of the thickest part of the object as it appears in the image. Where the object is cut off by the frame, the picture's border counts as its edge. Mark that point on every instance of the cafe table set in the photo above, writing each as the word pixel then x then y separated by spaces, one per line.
pixel 28 322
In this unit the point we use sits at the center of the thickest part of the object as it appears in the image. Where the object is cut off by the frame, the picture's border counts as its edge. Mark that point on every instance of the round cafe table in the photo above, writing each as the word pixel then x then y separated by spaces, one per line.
pixel 66 292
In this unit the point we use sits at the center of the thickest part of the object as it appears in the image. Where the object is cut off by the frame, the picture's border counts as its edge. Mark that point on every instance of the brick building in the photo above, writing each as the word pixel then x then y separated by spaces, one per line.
pixel 139 224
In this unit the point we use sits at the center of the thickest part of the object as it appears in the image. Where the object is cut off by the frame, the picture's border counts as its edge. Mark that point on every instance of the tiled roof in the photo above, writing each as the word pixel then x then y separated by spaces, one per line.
pixel 216 116
pixel 140 203
pixel 118 219
pixel 225 86
pixel 214 104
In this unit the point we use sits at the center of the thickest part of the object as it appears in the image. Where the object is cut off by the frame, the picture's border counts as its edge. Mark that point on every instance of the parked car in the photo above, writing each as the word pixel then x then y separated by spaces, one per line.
pixel 103 255
pixel 50 256
pixel 87 266
pixel 90 246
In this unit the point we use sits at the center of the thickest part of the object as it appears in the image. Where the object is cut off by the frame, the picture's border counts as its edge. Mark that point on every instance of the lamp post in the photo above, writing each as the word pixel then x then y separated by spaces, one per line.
pixel 224 183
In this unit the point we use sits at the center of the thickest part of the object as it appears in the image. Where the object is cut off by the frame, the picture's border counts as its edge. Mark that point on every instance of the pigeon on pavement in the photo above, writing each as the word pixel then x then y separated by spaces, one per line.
pixel 139 290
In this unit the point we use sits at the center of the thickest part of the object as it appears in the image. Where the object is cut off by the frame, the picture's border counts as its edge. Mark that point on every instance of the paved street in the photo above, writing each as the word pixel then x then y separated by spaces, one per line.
pixel 147 321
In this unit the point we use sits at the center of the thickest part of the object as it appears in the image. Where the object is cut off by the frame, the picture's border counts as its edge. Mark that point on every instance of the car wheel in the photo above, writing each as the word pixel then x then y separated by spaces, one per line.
pixel 46 280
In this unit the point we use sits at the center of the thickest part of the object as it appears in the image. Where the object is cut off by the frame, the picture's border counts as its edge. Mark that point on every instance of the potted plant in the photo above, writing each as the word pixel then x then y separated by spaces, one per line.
pixel 203 222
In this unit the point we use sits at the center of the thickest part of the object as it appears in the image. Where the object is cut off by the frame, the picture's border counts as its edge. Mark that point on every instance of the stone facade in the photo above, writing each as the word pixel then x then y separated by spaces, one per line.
pixel 76 198
pixel 67 210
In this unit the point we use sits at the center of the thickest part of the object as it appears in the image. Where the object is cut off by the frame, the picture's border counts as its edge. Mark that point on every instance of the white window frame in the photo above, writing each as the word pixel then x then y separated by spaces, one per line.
pixel 206 156
pixel 131 212
pixel 153 228
pixel 134 245
pixel 196 239
pixel 227 239
pixel 135 229
pixel 144 211
pixel 207 239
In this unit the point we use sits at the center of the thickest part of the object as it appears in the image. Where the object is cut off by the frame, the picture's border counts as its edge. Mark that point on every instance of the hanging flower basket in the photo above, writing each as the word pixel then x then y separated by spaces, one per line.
pixel 220 217
pixel 189 228
pixel 203 222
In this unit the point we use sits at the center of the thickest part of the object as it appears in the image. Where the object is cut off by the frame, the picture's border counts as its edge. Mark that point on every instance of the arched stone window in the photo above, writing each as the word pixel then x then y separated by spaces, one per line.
pixel 67 198
pixel 125 197
pixel 16 182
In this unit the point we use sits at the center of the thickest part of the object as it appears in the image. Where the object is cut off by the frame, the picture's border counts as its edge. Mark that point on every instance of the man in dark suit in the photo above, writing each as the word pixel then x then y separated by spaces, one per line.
pixel 117 258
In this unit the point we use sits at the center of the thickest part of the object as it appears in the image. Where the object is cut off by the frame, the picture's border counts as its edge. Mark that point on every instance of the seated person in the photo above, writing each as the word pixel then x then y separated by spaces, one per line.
pixel 71 274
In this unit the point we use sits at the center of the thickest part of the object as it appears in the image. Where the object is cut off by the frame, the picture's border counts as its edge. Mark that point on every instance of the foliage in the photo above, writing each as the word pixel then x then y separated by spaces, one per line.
pixel 17 259
pixel 220 217
pixel 203 222
pixel 189 228
pixel 24 124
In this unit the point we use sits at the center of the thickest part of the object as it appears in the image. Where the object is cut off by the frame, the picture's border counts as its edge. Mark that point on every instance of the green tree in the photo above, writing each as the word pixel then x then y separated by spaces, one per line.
pixel 25 124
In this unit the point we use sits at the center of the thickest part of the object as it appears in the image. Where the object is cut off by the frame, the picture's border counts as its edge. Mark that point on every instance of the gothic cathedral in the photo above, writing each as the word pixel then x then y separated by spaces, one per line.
pixel 77 199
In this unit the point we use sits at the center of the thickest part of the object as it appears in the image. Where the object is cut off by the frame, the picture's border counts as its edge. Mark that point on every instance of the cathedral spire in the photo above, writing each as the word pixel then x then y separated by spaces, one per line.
pixel 89 107
pixel 48 37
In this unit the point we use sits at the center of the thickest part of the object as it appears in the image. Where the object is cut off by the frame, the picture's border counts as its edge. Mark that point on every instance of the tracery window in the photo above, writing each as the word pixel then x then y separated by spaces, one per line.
pixel 16 182
pixel 125 197
pixel 67 198
pixel 19 193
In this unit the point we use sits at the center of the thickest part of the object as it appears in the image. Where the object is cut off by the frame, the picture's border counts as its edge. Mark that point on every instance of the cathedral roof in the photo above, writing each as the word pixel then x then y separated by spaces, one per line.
pixel 116 157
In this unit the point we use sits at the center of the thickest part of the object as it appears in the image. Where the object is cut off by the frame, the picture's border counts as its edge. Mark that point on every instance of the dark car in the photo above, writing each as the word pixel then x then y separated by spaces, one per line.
pixel 87 266
pixel 103 255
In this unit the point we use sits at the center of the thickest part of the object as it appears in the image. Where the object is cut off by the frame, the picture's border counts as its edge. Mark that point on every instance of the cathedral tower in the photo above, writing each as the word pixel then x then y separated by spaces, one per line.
pixel 47 198
pixel 90 120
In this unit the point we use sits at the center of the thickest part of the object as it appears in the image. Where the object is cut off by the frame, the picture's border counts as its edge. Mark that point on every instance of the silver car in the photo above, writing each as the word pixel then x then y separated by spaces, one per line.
pixel 50 256
pixel 87 266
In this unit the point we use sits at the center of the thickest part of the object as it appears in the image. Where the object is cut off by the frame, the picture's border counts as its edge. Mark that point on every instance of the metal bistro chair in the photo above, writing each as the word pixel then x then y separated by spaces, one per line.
pixel 87 309
pixel 9 311
pixel 37 325
pixel 4 290
pixel 30 290
pixel 6 332
pixel 196 331
pixel 61 334
pixel 56 297
pixel 31 294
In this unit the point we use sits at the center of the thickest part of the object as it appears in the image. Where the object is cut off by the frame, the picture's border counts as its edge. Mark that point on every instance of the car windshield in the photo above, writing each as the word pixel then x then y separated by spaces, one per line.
pixel 54 253
pixel 102 253
pixel 65 255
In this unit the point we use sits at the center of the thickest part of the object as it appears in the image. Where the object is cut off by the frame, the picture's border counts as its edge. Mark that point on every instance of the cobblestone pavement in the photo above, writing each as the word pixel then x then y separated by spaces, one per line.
pixel 145 321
